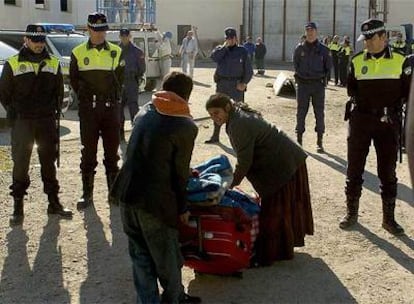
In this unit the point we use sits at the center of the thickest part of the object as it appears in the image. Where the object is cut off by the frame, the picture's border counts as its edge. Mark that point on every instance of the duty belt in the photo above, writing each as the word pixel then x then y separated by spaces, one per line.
pixel 303 80
pixel 228 78
pixel 379 112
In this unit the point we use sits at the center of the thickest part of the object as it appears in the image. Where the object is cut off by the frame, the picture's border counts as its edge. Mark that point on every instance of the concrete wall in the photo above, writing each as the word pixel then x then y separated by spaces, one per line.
pixel 18 16
pixel 209 16
pixel 283 21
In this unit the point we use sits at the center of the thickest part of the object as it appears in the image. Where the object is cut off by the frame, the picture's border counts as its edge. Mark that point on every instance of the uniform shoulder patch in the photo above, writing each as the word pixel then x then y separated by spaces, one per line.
pixel 408 70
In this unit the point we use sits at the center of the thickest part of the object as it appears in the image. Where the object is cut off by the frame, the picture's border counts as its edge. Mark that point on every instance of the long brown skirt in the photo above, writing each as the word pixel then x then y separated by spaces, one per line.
pixel 285 218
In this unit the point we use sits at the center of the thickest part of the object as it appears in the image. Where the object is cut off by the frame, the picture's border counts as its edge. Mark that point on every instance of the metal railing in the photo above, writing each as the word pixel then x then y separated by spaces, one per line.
pixel 127 11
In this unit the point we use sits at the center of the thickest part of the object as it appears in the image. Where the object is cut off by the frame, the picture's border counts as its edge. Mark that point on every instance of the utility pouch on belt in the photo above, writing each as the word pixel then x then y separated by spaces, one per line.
pixel 349 106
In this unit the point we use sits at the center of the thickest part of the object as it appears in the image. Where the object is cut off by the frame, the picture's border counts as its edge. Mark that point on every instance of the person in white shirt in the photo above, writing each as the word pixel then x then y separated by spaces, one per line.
pixel 165 55
pixel 188 52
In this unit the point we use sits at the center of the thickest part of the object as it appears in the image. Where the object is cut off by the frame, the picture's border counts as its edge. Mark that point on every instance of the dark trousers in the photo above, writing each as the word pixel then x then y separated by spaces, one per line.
pixel 335 64
pixel 24 133
pixel 364 128
pixel 343 70
pixel 99 120
pixel 155 254
pixel 306 92
pixel 229 88
pixel 130 99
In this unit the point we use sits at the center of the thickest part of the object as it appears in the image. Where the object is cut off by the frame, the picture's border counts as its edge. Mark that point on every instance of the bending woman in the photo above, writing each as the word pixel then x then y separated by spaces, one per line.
pixel 276 167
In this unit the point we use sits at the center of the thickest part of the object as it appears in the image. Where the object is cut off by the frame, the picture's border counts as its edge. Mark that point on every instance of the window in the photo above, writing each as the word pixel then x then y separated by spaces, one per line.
pixel 40 4
pixel 64 5
pixel 10 2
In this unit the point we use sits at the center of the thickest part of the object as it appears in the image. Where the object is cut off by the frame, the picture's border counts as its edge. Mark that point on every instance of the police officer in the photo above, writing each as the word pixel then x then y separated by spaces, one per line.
pixel 399 45
pixel 378 80
pixel 31 90
pixel 233 72
pixel 96 75
pixel 134 70
pixel 336 49
pixel 312 64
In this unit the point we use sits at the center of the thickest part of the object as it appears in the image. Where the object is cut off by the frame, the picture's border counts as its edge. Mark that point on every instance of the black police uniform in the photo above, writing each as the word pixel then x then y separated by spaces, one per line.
pixel 96 75
pixel 233 67
pixel 379 83
pixel 312 63
pixel 134 69
pixel 31 90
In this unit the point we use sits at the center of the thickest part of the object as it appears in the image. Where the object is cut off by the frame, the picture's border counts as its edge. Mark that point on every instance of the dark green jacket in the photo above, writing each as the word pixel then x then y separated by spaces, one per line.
pixel 265 154
pixel 157 166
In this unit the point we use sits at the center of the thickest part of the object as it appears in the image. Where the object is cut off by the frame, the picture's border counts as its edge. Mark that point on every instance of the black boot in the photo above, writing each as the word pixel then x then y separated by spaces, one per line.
pixel 388 221
pixel 299 138
pixel 55 207
pixel 87 197
pixel 17 217
pixel 216 135
pixel 351 217
pixel 110 178
pixel 319 143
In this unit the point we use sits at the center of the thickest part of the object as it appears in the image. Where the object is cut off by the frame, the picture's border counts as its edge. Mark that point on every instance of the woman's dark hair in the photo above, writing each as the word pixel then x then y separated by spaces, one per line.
pixel 179 83
pixel 221 100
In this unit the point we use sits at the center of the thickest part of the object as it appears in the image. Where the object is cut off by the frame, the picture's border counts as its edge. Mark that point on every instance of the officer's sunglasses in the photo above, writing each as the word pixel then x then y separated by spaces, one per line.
pixel 369 36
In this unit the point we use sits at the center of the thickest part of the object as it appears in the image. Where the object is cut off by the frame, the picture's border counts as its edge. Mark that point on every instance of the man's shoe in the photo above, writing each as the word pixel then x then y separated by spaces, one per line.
pixel 59 210
pixel 212 141
pixel 320 149
pixel 187 299
pixel 16 219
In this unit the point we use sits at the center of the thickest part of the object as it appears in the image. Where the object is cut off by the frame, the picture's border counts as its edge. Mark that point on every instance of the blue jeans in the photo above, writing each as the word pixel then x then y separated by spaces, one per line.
pixel 155 254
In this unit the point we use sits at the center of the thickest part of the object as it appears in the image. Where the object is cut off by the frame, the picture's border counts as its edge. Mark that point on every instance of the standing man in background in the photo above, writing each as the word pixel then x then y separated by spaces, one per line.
pixel 165 55
pixel 96 75
pixel 250 47
pixel 259 55
pixel 188 52
pixel 233 72
pixel 312 64
pixel 335 47
pixel 134 70
pixel 31 90
pixel 379 82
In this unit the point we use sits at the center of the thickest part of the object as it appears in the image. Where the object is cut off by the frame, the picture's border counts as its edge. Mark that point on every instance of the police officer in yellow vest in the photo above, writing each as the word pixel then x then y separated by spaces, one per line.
pixel 335 48
pixel 31 90
pixel 346 52
pixel 399 45
pixel 96 72
pixel 379 81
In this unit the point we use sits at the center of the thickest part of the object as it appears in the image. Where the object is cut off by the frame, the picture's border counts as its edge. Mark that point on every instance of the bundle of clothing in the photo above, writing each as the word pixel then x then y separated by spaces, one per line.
pixel 209 183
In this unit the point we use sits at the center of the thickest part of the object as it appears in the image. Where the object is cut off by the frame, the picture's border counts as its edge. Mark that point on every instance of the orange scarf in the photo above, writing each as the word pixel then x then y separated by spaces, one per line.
pixel 169 103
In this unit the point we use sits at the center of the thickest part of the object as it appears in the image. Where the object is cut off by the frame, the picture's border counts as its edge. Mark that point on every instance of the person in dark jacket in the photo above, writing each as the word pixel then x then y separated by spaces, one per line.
pixel 151 189
pixel 312 63
pixel 31 90
pixel 250 47
pixel 233 72
pixel 259 55
pixel 133 72
pixel 276 167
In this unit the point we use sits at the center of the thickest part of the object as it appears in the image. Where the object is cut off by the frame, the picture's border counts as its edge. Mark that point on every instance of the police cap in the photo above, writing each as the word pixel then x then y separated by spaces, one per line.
pixel 97 22
pixel 370 27
pixel 35 33
pixel 230 33
pixel 311 25
pixel 124 32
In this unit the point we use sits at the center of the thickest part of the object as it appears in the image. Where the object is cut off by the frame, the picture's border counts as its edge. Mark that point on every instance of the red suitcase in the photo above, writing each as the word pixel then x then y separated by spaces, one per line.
pixel 218 240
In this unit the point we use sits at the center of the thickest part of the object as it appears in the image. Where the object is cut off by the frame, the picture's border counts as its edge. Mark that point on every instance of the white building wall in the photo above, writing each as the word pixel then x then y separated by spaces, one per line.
pixel 209 16
pixel 18 16
pixel 400 12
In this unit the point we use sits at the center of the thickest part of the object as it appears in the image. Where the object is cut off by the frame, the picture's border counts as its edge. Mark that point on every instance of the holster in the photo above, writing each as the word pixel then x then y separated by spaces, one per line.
pixel 349 106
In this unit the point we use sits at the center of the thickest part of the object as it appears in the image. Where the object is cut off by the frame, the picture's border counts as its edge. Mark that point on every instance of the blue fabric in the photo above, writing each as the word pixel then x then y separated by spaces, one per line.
pixel 214 175
pixel 214 165
pixel 234 198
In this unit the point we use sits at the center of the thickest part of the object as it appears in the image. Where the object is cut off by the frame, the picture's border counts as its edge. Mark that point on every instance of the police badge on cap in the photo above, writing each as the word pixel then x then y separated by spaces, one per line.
pixel 370 27
pixel 97 22
pixel 36 32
